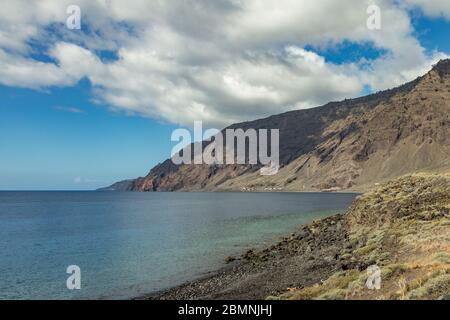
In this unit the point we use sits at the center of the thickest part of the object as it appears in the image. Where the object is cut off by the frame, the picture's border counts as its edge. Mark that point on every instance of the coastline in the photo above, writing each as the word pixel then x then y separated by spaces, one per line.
pixel 402 228
pixel 256 274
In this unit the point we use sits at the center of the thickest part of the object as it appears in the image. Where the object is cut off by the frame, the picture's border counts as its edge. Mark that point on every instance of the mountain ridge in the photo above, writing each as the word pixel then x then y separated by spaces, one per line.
pixel 348 145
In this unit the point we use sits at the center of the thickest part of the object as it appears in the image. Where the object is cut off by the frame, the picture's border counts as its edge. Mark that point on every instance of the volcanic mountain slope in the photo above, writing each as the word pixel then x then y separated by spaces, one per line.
pixel 348 145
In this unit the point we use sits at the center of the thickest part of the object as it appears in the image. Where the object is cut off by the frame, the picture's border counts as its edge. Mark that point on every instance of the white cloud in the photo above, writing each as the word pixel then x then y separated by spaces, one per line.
pixel 218 61
pixel 69 109
pixel 72 64
pixel 432 7
pixel 24 72
pixel 80 180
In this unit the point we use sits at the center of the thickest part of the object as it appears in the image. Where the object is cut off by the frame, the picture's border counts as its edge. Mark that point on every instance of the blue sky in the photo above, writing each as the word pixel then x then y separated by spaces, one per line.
pixel 74 130
pixel 46 145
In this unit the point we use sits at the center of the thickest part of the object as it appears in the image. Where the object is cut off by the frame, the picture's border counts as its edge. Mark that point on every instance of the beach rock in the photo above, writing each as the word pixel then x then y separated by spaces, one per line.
pixel 230 259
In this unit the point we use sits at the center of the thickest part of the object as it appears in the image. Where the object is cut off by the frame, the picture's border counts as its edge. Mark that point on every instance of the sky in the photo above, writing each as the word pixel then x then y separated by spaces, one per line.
pixel 83 108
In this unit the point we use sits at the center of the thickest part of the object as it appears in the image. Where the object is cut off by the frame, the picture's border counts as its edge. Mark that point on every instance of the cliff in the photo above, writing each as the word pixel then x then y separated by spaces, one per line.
pixel 348 145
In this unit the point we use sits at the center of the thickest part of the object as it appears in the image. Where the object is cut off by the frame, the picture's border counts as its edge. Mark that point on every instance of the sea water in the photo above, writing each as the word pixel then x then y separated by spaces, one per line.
pixel 131 244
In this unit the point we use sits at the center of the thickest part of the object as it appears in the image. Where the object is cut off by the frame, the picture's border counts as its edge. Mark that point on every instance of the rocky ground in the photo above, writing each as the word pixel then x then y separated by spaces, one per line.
pixel 403 227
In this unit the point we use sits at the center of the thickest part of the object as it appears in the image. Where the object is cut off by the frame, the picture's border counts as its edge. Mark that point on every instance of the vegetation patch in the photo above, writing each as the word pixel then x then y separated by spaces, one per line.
pixel 404 228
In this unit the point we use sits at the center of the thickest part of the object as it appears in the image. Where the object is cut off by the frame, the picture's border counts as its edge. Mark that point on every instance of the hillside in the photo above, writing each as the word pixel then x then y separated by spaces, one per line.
pixel 404 228
pixel 348 145
pixel 119 186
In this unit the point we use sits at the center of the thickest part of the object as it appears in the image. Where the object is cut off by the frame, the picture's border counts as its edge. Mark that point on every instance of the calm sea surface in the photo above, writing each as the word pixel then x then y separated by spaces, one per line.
pixel 129 244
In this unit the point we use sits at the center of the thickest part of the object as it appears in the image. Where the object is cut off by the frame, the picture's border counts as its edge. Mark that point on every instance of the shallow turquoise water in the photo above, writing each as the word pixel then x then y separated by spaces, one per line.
pixel 129 244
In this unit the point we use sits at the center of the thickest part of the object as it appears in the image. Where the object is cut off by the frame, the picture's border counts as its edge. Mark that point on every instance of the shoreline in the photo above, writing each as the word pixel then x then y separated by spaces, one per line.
pixel 208 275
pixel 401 229
pixel 303 253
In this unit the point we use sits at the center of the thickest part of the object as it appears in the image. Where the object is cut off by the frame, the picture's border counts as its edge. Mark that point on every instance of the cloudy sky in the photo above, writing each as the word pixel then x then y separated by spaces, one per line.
pixel 82 108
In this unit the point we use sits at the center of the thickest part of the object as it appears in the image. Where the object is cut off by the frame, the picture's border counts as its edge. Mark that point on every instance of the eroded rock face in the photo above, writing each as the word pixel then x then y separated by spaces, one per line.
pixel 351 144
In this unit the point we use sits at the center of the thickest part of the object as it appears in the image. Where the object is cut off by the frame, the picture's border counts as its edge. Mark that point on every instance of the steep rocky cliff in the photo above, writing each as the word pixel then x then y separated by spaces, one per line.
pixel 348 145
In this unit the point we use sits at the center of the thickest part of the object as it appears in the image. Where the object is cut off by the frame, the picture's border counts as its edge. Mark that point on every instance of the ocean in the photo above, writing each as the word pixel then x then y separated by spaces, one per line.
pixel 130 244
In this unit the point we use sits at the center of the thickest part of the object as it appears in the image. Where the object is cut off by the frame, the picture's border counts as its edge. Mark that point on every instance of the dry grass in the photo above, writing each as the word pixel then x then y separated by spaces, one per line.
pixel 404 228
